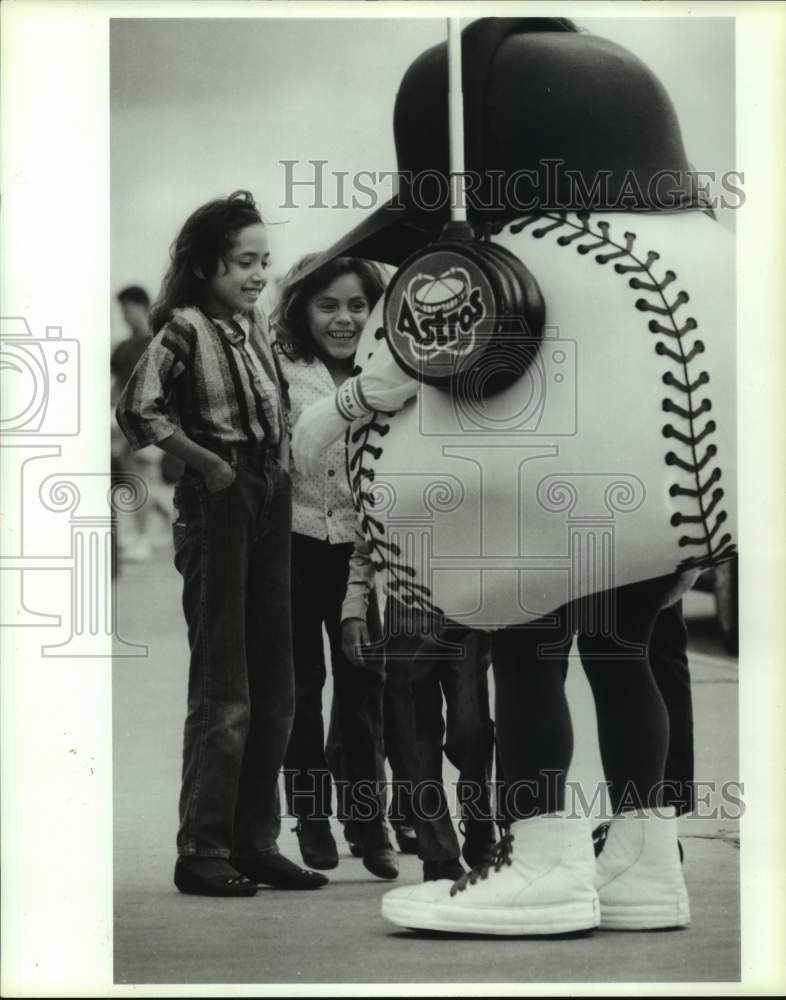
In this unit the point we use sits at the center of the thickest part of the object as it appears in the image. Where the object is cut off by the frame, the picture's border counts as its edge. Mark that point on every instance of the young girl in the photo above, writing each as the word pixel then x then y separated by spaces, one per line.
pixel 318 321
pixel 207 391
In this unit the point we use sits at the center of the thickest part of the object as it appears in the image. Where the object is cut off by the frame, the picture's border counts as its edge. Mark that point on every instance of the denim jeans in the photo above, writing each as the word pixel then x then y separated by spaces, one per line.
pixel 424 666
pixel 319 581
pixel 232 548
pixel 335 743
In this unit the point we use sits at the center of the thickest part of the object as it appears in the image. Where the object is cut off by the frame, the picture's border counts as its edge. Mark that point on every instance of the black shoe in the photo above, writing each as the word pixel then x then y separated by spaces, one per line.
pixel 407 839
pixel 353 838
pixel 278 871
pixel 378 855
pixel 199 876
pixel 451 869
pixel 479 840
pixel 354 845
pixel 317 844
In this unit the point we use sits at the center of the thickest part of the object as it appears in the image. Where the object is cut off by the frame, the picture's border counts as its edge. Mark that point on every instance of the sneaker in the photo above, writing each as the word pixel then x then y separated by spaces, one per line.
pixel 378 855
pixel 434 871
pixel 407 839
pixel 317 844
pixel 600 833
pixel 539 881
pixel 480 839
pixel 639 876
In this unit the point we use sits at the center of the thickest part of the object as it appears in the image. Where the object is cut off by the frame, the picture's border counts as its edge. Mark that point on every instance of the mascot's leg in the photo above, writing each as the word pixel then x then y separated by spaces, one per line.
pixel 541 877
pixel 639 876
pixel 669 665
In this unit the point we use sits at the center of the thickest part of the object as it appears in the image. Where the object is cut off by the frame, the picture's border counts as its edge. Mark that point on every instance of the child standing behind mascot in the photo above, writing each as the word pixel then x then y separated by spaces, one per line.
pixel 318 321
pixel 568 480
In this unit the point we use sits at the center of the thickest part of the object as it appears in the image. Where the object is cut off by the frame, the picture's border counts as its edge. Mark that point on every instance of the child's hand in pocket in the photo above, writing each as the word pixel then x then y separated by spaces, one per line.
pixel 218 476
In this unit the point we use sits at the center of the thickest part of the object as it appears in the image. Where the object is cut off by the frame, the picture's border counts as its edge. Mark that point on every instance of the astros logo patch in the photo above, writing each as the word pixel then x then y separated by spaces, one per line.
pixel 434 313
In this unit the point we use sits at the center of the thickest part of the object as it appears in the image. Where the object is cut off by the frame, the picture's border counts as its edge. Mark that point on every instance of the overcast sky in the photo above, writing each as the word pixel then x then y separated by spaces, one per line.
pixel 202 107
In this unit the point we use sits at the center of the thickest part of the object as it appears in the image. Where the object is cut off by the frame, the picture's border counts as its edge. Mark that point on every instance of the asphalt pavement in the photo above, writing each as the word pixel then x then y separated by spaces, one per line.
pixel 337 935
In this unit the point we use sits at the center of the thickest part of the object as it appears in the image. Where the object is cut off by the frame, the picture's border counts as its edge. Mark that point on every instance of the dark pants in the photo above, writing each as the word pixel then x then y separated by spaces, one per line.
pixel 669 665
pixel 319 581
pixel 400 740
pixel 534 732
pixel 232 549
pixel 423 665
pixel 335 751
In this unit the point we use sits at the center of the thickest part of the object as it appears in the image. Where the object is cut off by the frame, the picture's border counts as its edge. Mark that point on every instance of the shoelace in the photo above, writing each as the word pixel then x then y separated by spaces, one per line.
pixel 599 836
pixel 498 857
pixel 488 851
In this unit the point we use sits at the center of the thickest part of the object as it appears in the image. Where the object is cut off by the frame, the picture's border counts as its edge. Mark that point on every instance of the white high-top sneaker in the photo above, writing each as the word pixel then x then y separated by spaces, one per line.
pixel 541 881
pixel 639 877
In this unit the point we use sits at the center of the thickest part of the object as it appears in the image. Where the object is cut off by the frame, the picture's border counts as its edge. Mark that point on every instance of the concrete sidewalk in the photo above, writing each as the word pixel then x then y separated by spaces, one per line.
pixel 337 935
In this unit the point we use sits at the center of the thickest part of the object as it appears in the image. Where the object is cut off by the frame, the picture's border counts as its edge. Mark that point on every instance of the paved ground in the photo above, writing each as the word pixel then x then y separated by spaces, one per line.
pixel 337 935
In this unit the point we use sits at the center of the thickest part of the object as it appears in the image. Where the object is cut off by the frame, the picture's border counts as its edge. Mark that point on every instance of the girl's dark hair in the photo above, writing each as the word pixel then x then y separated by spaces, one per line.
pixel 204 239
pixel 289 319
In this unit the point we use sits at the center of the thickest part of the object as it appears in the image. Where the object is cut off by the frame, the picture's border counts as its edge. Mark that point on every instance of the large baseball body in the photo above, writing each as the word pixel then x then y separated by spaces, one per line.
pixel 610 461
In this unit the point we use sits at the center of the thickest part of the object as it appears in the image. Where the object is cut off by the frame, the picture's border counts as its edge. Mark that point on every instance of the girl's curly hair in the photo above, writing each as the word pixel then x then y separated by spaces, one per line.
pixel 289 319
pixel 206 236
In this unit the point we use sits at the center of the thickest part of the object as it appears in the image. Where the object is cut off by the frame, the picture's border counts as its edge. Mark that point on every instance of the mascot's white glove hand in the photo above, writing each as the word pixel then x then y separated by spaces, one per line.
pixel 318 427
pixel 382 385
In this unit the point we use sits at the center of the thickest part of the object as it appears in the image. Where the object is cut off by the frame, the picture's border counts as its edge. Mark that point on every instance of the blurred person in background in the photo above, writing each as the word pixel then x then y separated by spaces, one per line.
pixel 135 543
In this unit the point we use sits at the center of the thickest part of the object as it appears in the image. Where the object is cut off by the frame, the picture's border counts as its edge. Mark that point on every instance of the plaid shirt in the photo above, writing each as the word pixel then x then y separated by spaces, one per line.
pixel 216 380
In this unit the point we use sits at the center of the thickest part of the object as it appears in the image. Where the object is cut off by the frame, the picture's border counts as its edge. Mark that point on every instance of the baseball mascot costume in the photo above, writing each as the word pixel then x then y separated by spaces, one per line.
pixel 540 437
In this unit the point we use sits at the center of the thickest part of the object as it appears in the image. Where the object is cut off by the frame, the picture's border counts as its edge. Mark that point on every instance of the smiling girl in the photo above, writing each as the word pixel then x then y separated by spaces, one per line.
pixel 207 391
pixel 318 322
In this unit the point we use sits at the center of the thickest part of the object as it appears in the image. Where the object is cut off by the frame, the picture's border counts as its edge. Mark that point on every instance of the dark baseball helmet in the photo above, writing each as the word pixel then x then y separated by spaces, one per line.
pixel 554 118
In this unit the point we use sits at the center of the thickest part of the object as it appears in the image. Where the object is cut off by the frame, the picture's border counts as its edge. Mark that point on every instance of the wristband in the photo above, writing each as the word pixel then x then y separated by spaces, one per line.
pixel 350 401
